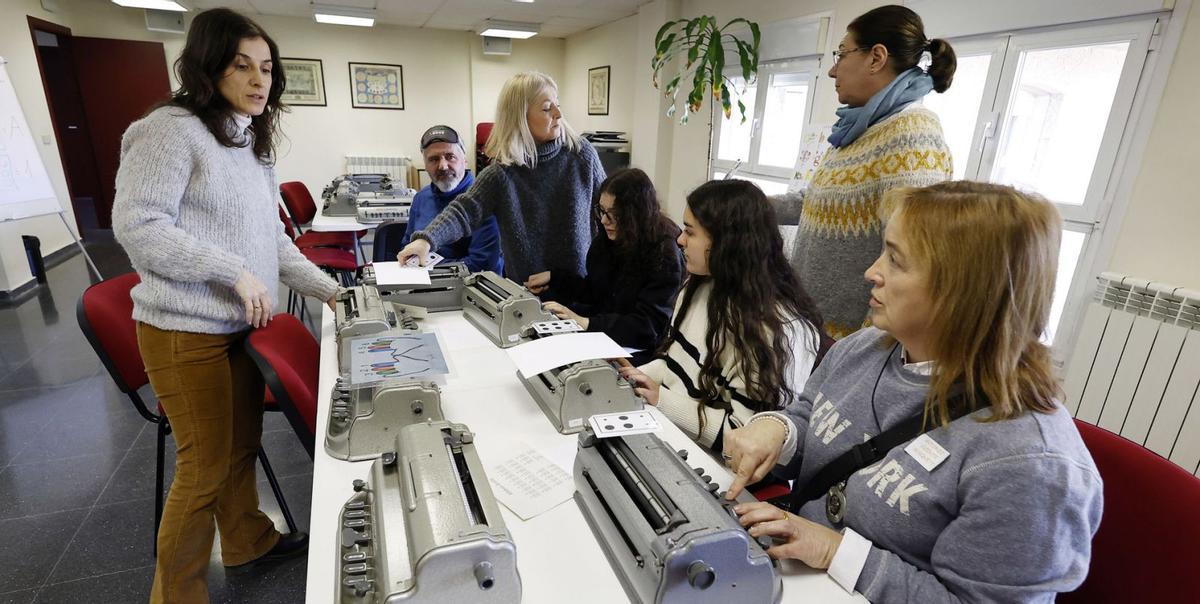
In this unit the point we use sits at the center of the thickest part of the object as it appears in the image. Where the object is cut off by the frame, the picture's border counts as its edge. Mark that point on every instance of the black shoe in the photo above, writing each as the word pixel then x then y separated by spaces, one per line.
pixel 288 546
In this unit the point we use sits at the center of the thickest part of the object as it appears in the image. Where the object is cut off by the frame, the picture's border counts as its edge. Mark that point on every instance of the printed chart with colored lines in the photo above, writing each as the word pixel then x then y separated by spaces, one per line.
pixel 408 354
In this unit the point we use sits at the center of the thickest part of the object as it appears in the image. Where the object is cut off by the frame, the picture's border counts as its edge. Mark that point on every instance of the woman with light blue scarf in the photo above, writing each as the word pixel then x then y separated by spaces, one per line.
pixel 883 139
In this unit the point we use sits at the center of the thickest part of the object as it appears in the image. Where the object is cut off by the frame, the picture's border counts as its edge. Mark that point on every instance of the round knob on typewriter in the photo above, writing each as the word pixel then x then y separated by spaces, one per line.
pixel 706 478
pixel 712 487
pixel 388 459
pixel 683 453
pixel 585 389
pixel 764 542
pixel 359 485
pixel 484 575
pixel 418 408
pixel 701 575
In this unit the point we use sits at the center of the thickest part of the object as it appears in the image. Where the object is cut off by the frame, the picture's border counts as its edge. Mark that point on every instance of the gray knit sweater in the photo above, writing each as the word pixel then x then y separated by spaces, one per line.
pixel 543 212
pixel 1008 516
pixel 191 214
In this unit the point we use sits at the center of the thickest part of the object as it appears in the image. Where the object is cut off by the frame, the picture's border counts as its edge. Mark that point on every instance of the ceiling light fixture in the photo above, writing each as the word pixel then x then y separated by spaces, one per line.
pixel 152 4
pixel 344 15
pixel 509 29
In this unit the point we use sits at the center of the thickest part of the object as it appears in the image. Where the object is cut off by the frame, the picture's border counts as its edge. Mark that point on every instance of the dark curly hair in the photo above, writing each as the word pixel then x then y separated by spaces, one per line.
pixel 212 44
pixel 755 293
pixel 641 225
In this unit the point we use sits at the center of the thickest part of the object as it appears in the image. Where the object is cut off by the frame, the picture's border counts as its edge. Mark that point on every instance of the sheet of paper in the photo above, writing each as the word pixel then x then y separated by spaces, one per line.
pixel 391 273
pixel 813 145
pixel 407 354
pixel 529 482
pixel 544 354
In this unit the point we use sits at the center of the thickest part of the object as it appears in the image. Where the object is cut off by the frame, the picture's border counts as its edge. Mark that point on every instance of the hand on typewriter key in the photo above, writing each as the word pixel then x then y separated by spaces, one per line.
pixel 565 313
pixel 643 385
pixel 803 540
pixel 751 452
pixel 538 282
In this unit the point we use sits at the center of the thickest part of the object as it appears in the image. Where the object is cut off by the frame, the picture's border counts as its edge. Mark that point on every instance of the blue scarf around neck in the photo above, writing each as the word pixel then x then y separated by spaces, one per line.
pixel 912 85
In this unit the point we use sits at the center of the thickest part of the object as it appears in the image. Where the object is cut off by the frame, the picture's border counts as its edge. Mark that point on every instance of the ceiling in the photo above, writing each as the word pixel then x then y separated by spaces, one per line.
pixel 558 18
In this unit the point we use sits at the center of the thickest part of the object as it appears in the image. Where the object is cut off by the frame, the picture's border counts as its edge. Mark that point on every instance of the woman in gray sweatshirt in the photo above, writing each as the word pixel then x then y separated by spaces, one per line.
pixel 539 187
pixel 196 212
pixel 999 500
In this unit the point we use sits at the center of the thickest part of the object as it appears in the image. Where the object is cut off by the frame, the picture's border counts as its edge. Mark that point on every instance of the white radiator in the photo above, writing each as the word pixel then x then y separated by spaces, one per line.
pixel 1136 366
pixel 395 167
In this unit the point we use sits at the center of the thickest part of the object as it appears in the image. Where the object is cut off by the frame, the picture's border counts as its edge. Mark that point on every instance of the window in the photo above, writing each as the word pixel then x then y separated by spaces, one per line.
pixel 1045 111
pixel 764 148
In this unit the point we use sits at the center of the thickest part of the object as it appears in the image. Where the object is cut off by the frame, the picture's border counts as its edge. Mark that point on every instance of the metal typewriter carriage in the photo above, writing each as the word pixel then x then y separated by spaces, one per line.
pixel 569 395
pixel 426 527
pixel 363 422
pixel 503 310
pixel 444 292
pixel 362 311
pixel 666 530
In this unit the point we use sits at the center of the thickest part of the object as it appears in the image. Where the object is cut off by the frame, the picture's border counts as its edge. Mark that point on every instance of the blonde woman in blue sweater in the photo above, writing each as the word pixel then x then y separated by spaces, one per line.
pixel 196 212
pixel 999 500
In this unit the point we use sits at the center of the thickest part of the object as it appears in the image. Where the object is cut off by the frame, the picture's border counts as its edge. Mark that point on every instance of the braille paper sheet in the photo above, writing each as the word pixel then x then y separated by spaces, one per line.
pixel 531 481
pixel 544 354
pixel 391 273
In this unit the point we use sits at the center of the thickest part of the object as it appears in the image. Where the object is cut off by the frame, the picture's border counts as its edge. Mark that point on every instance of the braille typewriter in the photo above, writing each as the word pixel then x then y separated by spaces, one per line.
pixel 362 311
pixel 426 527
pixel 571 394
pixel 504 311
pixel 364 421
pixel 444 292
pixel 667 531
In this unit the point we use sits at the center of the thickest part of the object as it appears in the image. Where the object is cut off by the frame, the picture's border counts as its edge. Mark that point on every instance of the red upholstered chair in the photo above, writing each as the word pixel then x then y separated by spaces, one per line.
pixel 303 209
pixel 1147 547
pixel 342 264
pixel 483 131
pixel 105 314
pixel 290 358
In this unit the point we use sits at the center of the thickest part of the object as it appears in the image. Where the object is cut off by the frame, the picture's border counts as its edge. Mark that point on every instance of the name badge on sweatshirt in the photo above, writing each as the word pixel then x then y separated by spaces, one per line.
pixel 927 452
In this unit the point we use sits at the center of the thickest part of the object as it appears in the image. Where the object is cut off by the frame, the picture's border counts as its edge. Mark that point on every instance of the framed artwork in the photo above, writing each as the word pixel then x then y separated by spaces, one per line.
pixel 598 90
pixel 305 82
pixel 376 86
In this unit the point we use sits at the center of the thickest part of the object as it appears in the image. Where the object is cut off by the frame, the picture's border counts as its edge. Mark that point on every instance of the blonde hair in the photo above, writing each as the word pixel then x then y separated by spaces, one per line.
pixel 511 142
pixel 992 254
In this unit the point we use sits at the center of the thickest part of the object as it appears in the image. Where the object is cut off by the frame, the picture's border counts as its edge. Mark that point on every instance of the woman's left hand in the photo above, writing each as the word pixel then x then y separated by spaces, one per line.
pixel 643 385
pixel 565 313
pixel 803 540
pixel 332 302
pixel 538 282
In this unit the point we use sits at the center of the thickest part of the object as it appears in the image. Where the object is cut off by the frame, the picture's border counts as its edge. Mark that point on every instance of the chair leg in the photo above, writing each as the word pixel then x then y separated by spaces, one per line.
pixel 291 301
pixel 283 506
pixel 158 479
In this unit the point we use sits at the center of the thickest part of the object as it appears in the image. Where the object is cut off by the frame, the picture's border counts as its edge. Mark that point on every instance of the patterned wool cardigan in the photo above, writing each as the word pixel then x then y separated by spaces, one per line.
pixel 840 232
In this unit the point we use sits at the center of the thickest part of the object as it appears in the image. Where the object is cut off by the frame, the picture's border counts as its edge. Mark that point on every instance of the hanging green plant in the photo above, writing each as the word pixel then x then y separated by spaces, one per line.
pixel 705 47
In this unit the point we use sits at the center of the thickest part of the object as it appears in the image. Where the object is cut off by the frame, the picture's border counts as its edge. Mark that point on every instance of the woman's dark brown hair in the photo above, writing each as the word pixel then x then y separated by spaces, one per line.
pixel 755 294
pixel 640 223
pixel 902 32
pixel 212 45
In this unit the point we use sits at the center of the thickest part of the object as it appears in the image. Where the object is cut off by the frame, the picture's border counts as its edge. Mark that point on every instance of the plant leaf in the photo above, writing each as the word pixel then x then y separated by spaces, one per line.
pixel 725 101
pixel 742 109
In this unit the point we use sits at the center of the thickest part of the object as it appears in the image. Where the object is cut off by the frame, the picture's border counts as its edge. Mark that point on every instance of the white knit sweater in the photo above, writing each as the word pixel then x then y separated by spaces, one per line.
pixel 191 214
pixel 683 370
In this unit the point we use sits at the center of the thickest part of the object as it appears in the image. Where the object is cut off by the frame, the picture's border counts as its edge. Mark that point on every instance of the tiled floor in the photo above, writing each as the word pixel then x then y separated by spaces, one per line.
pixel 77 466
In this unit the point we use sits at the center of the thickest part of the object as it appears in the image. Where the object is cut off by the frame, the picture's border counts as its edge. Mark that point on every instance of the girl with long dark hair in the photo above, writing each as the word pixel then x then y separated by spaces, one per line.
pixel 745 333
pixel 633 270
pixel 196 212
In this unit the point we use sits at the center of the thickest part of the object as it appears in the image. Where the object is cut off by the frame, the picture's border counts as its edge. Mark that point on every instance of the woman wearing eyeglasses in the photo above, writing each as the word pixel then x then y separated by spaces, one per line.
pixel 883 139
pixel 633 271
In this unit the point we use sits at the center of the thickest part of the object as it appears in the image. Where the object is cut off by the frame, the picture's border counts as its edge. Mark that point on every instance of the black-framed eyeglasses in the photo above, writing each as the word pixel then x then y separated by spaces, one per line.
pixel 839 53
pixel 602 213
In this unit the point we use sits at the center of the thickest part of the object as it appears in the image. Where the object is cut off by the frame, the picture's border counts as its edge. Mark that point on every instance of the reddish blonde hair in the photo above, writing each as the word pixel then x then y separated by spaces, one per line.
pixel 991 253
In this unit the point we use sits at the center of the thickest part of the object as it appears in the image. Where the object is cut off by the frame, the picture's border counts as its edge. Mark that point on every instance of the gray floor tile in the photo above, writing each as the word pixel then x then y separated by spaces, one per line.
pixel 55 485
pixel 113 538
pixel 66 360
pixel 297 491
pixel 24 596
pixel 126 587
pixel 134 479
pixel 280 582
pixel 32 545
pixel 90 425
pixel 287 456
pixel 23 414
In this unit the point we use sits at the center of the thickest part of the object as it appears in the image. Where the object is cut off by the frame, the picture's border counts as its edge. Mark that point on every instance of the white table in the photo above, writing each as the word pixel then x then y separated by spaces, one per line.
pixel 558 557
pixel 323 224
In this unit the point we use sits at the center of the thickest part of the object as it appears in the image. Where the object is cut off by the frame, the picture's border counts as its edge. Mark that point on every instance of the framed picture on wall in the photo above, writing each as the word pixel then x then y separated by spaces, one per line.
pixel 305 82
pixel 376 86
pixel 598 90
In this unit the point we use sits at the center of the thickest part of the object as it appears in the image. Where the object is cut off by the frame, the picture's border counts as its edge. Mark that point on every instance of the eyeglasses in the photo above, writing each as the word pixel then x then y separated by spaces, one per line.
pixel 602 213
pixel 838 54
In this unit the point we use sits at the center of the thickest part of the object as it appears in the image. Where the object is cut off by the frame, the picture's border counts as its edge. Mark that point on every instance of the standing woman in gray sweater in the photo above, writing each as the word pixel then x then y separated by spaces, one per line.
pixel 196 212
pixel 539 187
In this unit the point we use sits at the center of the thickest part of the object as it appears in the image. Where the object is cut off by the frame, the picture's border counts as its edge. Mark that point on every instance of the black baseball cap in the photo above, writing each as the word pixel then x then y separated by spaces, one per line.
pixel 438 134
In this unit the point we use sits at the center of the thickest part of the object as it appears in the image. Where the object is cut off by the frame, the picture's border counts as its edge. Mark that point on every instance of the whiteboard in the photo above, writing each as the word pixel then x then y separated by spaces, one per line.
pixel 24 185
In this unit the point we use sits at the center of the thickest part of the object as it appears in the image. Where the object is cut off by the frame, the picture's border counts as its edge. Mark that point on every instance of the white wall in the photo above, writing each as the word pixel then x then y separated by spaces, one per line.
pixel 614 45
pixel 1160 235
pixel 447 80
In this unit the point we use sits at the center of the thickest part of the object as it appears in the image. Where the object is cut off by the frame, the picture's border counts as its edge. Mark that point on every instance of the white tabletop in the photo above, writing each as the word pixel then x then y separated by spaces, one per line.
pixel 323 223
pixel 557 555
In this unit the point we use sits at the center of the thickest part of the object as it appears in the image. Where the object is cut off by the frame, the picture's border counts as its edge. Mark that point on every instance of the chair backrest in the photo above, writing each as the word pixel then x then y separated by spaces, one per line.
pixel 299 201
pixel 287 224
pixel 387 243
pixel 105 315
pixel 289 358
pixel 1146 548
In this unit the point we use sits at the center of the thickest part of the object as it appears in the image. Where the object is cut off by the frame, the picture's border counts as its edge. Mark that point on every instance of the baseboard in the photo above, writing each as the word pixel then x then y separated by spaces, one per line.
pixel 57 257
pixel 20 294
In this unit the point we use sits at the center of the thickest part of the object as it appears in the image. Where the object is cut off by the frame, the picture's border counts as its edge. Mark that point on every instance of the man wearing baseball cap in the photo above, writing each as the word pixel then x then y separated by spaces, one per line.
pixel 446 162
